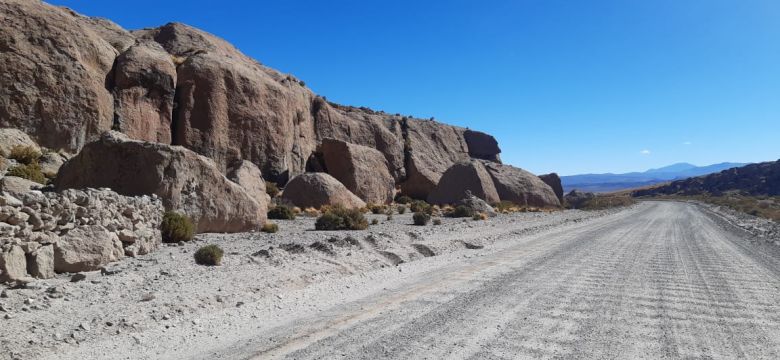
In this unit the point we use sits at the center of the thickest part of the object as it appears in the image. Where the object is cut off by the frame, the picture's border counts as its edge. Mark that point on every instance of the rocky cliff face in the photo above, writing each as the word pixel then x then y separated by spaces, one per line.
pixel 753 179
pixel 67 78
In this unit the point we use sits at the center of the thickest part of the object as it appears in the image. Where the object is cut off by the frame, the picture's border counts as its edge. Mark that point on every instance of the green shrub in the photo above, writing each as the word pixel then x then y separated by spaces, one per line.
pixel 176 227
pixel 24 154
pixel 30 172
pixel 436 221
pixel 281 212
pixel 461 211
pixel 421 218
pixel 375 222
pixel 421 206
pixel 401 209
pixel 339 218
pixel 271 189
pixel 403 199
pixel 270 228
pixel 210 255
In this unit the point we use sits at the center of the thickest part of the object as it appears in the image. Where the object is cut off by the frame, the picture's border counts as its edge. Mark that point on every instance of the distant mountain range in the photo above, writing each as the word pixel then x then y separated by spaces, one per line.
pixel 754 179
pixel 614 182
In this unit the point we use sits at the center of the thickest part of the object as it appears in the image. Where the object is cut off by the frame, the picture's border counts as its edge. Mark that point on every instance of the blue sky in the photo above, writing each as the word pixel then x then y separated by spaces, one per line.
pixel 567 86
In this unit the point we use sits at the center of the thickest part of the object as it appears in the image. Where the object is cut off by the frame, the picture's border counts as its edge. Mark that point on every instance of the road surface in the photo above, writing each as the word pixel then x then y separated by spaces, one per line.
pixel 663 280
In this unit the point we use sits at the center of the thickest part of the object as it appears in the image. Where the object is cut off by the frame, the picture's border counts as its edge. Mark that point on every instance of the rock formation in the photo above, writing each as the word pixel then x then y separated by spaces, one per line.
pixel 186 182
pixel 576 199
pixel 461 177
pixel 554 181
pixel 249 177
pixel 521 187
pixel 361 169
pixel 317 190
pixel 754 179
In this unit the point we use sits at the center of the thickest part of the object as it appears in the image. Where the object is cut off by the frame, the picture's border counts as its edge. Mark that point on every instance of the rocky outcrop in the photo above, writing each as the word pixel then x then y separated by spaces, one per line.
pixel 431 149
pixel 361 169
pixel 16 186
pixel 53 71
pixel 520 186
pixel 554 181
pixel 249 177
pixel 482 146
pixel 75 230
pixel 144 88
pixel 466 176
pixel 185 181
pixel 11 138
pixel 754 179
pixel 317 190
pixel 576 199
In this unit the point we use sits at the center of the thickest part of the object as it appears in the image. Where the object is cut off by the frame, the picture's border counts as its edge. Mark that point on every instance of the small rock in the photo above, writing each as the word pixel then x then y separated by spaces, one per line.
pixel 78 277
pixel 85 326
pixel 29 301
pixel 239 304
pixel 3 294
pixel 148 297
pixel 166 317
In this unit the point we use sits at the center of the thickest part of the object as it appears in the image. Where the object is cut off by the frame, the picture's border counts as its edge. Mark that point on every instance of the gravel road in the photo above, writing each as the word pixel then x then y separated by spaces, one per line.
pixel 660 280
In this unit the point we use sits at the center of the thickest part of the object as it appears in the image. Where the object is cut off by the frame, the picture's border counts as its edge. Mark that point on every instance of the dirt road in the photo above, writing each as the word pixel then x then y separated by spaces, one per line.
pixel 662 280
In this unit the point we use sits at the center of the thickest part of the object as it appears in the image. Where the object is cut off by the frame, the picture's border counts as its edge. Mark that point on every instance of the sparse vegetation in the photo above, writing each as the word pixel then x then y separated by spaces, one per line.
pixel 374 222
pixel 176 227
pixel 376 209
pixel 209 255
pixel 461 211
pixel 270 228
pixel 271 189
pixel 421 218
pixel 401 209
pixel 26 155
pixel 311 212
pixel 30 172
pixel 403 199
pixel 506 207
pixel 606 201
pixel 421 206
pixel 479 217
pixel 436 221
pixel 281 212
pixel 340 218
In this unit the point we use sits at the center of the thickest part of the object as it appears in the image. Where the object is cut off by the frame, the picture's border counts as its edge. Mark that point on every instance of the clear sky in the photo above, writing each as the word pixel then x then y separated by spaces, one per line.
pixel 565 85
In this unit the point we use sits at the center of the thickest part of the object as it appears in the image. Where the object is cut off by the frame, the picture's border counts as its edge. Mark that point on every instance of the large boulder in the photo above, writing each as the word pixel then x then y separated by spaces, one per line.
pixel 40 262
pixel 576 199
pixel 461 177
pixel 361 169
pixel 53 71
pixel 432 148
pixel 317 190
pixel 476 204
pixel 230 107
pixel 185 181
pixel 249 177
pixel 144 88
pixel 554 181
pixel 13 264
pixel 86 248
pixel 482 146
pixel 15 186
pixel 520 186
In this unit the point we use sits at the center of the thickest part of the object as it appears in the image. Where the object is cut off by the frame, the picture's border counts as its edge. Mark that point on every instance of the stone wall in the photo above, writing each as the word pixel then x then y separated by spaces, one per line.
pixel 43 233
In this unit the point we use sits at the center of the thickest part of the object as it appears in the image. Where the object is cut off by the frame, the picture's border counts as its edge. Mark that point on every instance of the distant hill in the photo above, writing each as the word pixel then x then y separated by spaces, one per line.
pixel 614 182
pixel 754 179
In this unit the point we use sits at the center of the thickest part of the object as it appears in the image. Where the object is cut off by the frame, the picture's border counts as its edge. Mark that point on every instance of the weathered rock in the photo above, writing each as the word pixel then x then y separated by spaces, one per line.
pixel 249 177
pixel 476 204
pixel 554 181
pixel 10 138
pixel 17 186
pixel 317 190
pixel 461 177
pixel 40 263
pixel 52 161
pixel 431 149
pixel 230 107
pixel 575 199
pixel 53 69
pixel 144 88
pixel 481 145
pixel 185 181
pixel 520 186
pixel 361 169
pixel 86 248
pixel 109 31
pixel 13 264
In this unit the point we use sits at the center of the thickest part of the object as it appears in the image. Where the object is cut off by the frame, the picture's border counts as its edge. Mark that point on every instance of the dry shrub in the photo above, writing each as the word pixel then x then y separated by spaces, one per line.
pixel 270 228
pixel 210 255
pixel 340 218
pixel 176 227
